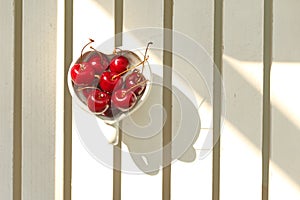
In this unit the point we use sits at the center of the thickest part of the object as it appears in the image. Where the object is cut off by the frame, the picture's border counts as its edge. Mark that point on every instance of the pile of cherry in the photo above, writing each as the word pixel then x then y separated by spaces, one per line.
pixel 109 84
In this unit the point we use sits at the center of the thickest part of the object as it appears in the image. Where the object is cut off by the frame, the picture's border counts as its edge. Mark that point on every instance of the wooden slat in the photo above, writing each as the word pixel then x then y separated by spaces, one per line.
pixel 9 88
pixel 284 177
pixel 267 60
pixel 151 187
pixel 68 57
pixel 86 169
pixel 117 150
pixel 17 127
pixel 285 110
pixel 217 98
pixel 242 75
pixel 193 180
pixel 167 97
pixel 39 99
pixel 118 22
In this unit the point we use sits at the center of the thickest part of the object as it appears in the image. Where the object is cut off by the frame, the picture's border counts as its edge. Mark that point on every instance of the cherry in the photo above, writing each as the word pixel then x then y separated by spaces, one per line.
pixel 98 101
pixel 112 112
pixel 110 81
pixel 101 84
pixel 123 99
pixel 118 64
pixel 123 72
pixel 87 91
pixel 99 62
pixel 82 74
pixel 133 79
pixel 96 64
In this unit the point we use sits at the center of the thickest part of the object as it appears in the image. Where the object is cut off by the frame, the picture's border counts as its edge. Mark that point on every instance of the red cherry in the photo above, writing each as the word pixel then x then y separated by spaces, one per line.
pixel 109 81
pixel 98 101
pixel 118 64
pixel 123 99
pixel 134 79
pixel 99 62
pixel 111 112
pixel 82 74
pixel 88 91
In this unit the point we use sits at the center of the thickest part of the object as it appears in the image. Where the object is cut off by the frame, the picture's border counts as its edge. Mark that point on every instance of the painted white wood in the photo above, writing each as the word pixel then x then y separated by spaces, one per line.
pixel 90 179
pixel 140 14
pixel 39 99
pixel 242 73
pixel 241 136
pixel 285 161
pixel 285 137
pixel 59 137
pixel 194 180
pixel 6 102
pixel 240 158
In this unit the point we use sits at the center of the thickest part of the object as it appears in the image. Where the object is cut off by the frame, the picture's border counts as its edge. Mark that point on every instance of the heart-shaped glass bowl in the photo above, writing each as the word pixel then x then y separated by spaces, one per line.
pixel 134 59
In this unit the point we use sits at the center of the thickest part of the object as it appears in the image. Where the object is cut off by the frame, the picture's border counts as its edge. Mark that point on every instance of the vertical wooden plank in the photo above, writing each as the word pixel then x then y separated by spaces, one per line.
pixel 136 184
pixel 7 104
pixel 217 96
pixel 60 89
pixel 193 179
pixel 167 97
pixel 18 99
pixel 39 99
pixel 241 158
pixel 68 56
pixel 118 22
pixel 267 59
pixel 117 150
pixel 284 176
pixel 90 179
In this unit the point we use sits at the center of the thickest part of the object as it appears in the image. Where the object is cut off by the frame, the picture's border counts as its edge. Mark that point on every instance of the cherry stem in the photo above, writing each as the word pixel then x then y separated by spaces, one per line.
pixel 140 83
pixel 84 88
pixel 99 54
pixel 82 66
pixel 91 41
pixel 115 50
pixel 97 76
pixel 149 43
pixel 115 76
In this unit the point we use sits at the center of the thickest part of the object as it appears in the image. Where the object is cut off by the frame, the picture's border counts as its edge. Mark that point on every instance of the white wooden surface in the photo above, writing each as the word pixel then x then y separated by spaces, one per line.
pixel 193 180
pixel 242 72
pixel 90 179
pixel 131 183
pixel 6 102
pixel 142 186
pixel 39 99
pixel 241 136
pixel 285 137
